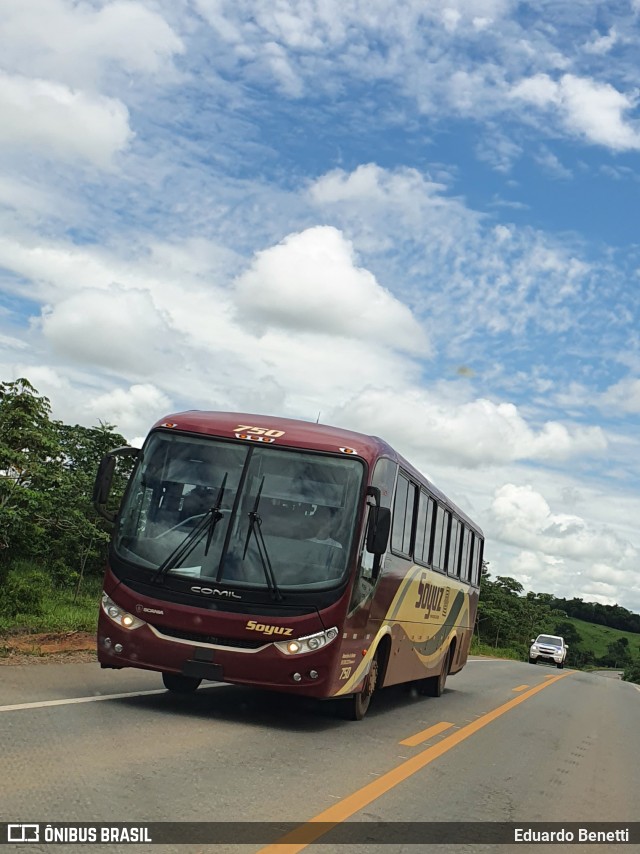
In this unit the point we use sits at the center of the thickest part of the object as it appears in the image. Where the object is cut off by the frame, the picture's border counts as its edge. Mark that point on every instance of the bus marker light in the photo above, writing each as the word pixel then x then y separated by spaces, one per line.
pixel 313 674
pixel 297 677
pixel 118 647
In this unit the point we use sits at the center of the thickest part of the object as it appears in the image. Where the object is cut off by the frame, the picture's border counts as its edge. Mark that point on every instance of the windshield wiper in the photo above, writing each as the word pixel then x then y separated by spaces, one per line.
pixel 206 525
pixel 255 527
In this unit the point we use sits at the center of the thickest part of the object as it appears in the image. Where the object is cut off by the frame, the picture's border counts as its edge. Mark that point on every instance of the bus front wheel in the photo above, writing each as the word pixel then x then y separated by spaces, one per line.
pixel 433 686
pixel 180 684
pixel 358 705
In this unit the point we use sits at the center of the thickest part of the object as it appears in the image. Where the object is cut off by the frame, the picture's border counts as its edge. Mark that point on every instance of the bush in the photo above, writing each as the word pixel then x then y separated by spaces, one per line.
pixel 24 591
pixel 62 575
pixel 632 672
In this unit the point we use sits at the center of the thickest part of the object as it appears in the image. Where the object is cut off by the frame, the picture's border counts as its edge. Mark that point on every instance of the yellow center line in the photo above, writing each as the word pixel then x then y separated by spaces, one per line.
pixel 521 688
pixel 419 737
pixel 306 834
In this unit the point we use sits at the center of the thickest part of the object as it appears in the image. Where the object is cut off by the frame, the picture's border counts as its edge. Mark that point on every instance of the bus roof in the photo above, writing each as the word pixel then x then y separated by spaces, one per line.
pixel 294 433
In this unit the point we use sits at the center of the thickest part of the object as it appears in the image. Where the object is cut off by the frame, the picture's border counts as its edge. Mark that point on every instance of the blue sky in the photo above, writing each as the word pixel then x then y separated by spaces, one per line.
pixel 418 219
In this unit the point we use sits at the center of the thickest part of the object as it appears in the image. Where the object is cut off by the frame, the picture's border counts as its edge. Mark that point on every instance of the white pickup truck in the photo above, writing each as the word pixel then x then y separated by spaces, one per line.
pixel 548 648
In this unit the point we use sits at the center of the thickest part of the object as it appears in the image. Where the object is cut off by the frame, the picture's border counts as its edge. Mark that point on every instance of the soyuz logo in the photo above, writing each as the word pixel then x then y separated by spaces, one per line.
pixel 267 630
pixel 429 597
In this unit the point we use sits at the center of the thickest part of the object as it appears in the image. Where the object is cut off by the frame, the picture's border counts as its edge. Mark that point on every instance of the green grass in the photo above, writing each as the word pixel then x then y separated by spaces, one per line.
pixel 60 613
pixel 597 638
pixel 494 652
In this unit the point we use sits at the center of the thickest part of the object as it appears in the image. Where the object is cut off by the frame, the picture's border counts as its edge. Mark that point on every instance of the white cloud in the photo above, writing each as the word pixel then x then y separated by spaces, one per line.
pixel 26 199
pixel 600 45
pixel 76 44
pixel 524 518
pixel 587 107
pixel 599 591
pixel 469 433
pixel 311 282
pixel 602 572
pixel 141 404
pixel 383 209
pixel 50 117
pixel 623 396
pixel 10 342
pixel 407 191
pixel 534 570
pixel 117 329
pixel 551 164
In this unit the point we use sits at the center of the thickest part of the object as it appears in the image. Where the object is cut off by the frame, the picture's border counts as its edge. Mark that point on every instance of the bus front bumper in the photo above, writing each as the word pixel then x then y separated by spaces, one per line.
pixel 145 647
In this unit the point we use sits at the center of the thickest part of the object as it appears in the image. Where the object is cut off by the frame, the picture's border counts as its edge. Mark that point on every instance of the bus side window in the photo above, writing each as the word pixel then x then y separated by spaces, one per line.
pixel 477 559
pixel 437 537
pixel 454 548
pixel 444 549
pixel 464 558
pixel 403 515
pixel 424 524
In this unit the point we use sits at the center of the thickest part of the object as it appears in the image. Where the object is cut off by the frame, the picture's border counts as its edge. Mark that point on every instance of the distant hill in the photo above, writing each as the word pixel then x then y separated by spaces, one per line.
pixel 613 616
pixel 597 639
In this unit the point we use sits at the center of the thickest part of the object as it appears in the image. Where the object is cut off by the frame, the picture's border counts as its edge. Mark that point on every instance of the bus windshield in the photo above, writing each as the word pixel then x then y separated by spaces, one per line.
pixel 245 515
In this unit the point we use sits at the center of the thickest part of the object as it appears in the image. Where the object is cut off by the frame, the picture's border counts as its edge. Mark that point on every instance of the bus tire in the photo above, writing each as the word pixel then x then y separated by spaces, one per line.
pixel 358 705
pixel 179 684
pixel 433 686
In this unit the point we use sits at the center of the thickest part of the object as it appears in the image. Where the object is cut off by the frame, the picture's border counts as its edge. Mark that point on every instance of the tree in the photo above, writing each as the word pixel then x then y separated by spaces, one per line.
pixel 499 610
pixel 28 448
pixel 618 654
pixel 77 535
pixel 632 672
pixel 568 631
pixel 47 471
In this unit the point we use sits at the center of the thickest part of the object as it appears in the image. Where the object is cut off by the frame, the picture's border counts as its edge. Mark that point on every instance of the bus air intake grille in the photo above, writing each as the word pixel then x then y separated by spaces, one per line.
pixel 238 643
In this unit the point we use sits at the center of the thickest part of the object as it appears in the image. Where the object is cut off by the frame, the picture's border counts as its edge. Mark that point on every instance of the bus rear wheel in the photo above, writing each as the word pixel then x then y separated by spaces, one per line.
pixel 433 686
pixel 358 705
pixel 180 684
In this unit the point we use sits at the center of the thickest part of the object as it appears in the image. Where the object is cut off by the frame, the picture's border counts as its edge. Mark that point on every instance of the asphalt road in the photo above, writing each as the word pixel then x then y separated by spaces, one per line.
pixel 507 742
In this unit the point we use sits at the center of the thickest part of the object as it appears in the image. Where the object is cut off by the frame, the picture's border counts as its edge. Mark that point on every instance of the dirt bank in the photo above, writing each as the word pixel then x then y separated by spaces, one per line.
pixel 27 648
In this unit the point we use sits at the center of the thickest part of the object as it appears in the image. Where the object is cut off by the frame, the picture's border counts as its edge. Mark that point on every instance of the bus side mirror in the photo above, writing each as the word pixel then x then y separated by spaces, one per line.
pixel 379 523
pixel 104 479
pixel 378 534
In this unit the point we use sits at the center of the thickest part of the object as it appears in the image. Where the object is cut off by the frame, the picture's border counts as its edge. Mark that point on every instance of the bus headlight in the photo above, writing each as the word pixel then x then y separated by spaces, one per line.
pixel 309 643
pixel 119 615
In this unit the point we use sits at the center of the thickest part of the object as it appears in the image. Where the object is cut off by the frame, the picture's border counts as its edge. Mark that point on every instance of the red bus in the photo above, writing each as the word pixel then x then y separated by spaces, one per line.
pixel 284 555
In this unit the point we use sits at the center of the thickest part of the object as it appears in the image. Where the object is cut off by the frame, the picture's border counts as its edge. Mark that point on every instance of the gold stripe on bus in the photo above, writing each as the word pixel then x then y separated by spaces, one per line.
pixel 401 613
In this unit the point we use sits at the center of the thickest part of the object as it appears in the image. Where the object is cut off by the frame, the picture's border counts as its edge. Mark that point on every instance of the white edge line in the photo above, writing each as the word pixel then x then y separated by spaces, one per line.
pixel 75 700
